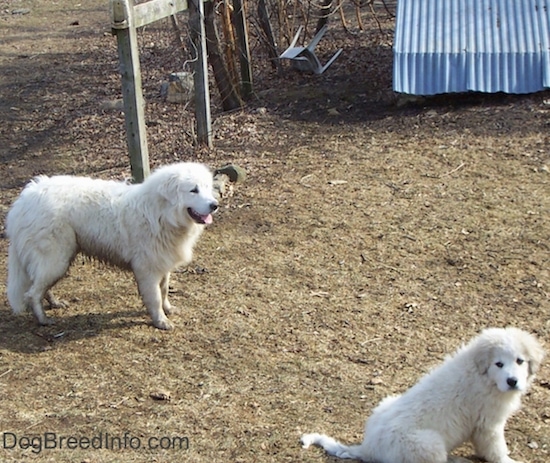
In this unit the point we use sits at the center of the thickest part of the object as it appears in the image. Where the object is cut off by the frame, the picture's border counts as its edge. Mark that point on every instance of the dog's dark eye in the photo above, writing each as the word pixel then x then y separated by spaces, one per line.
pixel 499 364
pixel 195 190
pixel 520 361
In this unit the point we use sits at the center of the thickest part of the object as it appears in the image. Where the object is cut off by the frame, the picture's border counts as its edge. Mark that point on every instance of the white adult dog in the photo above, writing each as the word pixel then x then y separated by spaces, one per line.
pixel 149 228
pixel 467 398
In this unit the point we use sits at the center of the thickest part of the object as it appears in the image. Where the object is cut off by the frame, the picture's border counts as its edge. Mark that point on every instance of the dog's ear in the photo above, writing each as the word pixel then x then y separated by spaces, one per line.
pixel 535 353
pixel 483 350
pixel 534 366
pixel 169 188
pixel 483 358
pixel 485 346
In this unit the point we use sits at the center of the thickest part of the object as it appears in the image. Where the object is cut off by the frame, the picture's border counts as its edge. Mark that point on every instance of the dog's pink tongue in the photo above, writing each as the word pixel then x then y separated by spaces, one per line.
pixel 207 219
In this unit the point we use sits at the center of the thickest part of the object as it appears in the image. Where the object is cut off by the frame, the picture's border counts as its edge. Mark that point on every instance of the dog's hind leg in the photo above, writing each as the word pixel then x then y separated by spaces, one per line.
pixel 34 298
pixel 46 274
pixel 47 264
pixel 421 446
pixel 54 302
pixel 164 288
pixel 149 286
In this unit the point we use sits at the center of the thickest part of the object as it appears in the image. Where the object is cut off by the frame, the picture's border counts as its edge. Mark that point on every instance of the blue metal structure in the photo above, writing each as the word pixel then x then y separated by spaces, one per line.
pixel 445 46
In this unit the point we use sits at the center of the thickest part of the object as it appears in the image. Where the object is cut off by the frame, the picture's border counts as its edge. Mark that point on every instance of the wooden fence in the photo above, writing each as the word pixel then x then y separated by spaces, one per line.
pixel 126 18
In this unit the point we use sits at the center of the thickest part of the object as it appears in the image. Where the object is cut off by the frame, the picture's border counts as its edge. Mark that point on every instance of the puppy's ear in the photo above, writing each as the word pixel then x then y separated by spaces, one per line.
pixel 535 353
pixel 483 358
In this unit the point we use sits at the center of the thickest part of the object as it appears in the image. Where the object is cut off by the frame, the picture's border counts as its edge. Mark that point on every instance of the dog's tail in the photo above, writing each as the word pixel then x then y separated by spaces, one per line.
pixel 333 447
pixel 18 282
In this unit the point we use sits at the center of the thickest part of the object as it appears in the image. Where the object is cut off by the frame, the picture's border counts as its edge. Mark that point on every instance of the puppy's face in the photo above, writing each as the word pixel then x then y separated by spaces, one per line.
pixel 509 370
pixel 509 357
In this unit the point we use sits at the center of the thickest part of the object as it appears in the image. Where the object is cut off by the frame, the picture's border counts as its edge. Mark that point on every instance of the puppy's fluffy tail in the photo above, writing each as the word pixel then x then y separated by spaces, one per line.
pixel 333 447
pixel 18 283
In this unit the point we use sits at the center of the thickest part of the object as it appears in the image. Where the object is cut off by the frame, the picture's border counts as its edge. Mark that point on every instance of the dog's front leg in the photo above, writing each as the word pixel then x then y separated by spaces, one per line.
pixel 149 286
pixel 491 445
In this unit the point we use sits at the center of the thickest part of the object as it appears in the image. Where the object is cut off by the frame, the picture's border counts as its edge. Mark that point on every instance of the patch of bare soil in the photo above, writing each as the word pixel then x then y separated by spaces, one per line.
pixel 368 241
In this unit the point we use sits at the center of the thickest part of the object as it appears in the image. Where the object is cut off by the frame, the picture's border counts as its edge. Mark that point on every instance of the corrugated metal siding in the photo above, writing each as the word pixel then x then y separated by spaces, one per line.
pixel 444 46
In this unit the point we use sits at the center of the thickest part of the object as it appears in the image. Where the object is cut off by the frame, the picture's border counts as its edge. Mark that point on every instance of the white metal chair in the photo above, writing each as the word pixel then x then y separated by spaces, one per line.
pixel 304 58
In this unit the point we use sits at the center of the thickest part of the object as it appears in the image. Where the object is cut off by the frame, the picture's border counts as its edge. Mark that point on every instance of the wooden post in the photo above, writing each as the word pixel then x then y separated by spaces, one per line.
pixel 126 17
pixel 239 18
pixel 202 94
pixel 132 94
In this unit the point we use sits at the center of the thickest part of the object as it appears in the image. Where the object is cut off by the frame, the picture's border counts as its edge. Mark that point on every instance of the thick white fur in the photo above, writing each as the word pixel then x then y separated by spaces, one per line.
pixel 149 228
pixel 467 398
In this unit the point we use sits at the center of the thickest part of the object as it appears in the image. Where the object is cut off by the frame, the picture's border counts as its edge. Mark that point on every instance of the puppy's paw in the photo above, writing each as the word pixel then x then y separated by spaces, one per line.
pixel 163 324
pixel 458 460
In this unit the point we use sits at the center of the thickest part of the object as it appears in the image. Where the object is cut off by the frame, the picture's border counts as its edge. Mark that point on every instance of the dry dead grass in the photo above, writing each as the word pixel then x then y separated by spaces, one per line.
pixel 368 242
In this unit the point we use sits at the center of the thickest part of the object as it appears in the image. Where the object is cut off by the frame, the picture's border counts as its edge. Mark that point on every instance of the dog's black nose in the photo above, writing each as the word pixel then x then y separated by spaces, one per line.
pixel 512 382
pixel 213 207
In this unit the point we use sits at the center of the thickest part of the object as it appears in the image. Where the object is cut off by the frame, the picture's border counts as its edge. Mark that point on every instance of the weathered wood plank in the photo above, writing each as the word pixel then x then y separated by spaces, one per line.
pixel 134 113
pixel 153 10
pixel 202 93
pixel 126 17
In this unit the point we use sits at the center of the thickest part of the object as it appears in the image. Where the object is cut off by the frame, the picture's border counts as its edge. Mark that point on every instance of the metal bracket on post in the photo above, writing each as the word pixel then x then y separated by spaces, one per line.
pixel 120 14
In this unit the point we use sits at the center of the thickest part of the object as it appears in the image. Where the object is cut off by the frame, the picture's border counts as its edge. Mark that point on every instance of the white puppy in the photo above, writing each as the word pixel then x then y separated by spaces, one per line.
pixel 467 398
pixel 149 228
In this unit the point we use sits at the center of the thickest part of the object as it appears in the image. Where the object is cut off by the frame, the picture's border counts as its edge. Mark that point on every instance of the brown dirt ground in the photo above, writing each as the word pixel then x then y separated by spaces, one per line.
pixel 368 241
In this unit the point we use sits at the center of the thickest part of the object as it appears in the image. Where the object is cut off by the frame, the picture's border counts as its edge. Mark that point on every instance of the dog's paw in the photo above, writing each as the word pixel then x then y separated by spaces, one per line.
pixel 57 304
pixel 46 321
pixel 458 460
pixel 163 324
pixel 502 459
pixel 509 460
pixel 169 309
